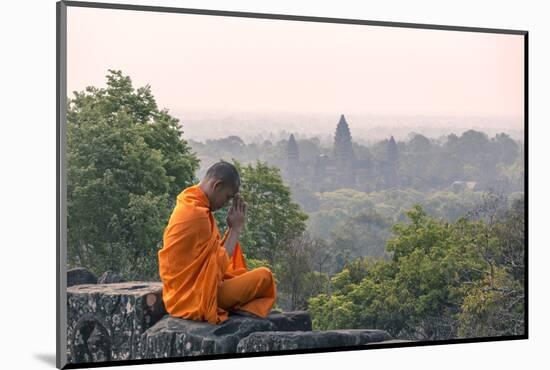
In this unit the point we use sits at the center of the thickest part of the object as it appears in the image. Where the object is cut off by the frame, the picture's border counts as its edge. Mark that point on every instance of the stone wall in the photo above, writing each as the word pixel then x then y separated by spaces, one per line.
pixel 126 321
pixel 174 337
pixel 105 321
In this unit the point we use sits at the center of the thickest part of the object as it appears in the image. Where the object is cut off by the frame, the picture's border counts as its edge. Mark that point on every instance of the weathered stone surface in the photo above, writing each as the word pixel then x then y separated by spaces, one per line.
pixel 110 277
pixel 105 321
pixel 80 275
pixel 125 321
pixel 177 337
pixel 291 321
pixel 280 341
pixel 172 336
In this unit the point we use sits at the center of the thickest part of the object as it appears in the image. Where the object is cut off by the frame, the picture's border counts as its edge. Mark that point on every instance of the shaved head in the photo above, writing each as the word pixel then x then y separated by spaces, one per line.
pixel 225 172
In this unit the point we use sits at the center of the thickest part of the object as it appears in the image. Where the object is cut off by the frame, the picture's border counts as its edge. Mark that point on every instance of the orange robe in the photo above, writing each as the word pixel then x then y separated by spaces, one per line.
pixel 196 270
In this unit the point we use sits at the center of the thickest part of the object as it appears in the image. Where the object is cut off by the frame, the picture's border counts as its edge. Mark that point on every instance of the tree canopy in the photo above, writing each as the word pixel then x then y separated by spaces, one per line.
pixel 126 164
pixel 273 219
pixel 444 280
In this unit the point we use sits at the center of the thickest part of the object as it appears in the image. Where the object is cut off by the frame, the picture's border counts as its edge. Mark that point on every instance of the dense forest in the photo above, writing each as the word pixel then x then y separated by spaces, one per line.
pixel 423 237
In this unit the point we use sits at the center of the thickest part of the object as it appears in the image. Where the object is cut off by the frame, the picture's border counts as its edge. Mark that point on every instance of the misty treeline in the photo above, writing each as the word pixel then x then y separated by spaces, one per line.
pixel 424 254
pixel 420 163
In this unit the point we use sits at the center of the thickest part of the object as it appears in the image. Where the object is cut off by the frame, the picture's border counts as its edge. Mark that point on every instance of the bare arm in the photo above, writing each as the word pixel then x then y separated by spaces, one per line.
pixel 236 219
pixel 231 241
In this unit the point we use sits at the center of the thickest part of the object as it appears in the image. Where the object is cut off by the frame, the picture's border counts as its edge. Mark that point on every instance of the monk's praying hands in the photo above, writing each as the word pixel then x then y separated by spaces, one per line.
pixel 236 217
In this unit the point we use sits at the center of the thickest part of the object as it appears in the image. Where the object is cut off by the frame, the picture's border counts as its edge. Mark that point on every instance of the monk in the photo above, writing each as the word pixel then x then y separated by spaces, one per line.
pixel 205 275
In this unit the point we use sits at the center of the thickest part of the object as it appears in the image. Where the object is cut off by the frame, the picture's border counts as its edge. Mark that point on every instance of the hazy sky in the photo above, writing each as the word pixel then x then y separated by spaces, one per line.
pixel 198 62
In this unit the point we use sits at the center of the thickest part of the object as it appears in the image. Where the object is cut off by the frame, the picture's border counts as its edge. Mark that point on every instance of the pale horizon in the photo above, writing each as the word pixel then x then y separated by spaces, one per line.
pixel 226 65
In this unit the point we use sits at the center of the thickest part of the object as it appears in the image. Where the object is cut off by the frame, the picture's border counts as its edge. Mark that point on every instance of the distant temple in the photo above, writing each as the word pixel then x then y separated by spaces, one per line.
pixel 343 154
pixel 293 157
pixel 342 168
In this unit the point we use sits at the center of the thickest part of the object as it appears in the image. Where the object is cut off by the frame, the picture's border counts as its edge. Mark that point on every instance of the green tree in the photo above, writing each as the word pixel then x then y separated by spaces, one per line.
pixel 505 149
pixel 362 235
pixel 443 280
pixel 273 219
pixel 293 269
pixel 418 161
pixel 494 306
pixel 126 162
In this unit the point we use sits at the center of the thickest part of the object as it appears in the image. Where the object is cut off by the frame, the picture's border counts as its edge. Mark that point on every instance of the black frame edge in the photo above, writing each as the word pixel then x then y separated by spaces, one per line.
pixel 61 93
pixel 526 178
pixel 228 13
